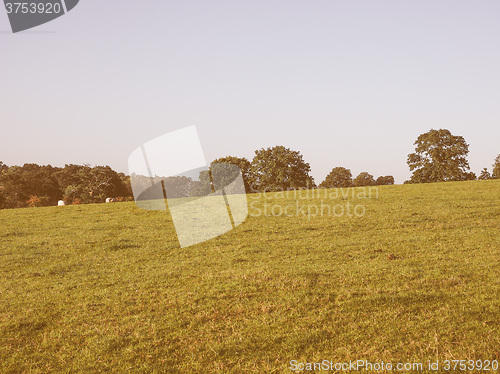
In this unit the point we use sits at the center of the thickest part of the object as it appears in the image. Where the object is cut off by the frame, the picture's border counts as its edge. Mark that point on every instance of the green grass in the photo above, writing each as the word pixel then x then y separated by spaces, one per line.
pixel 105 288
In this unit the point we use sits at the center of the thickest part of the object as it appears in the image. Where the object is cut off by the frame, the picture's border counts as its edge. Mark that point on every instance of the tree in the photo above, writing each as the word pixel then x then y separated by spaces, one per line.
pixel 90 184
pixel 470 176
pixel 279 168
pixel 203 186
pixel 496 168
pixel 19 183
pixel 70 175
pixel 484 175
pixel 363 179
pixel 12 186
pixel 384 181
pixel 338 177
pixel 40 181
pixel 104 182
pixel 178 186
pixel 439 157
pixel 127 186
pixel 242 163
pixel 35 185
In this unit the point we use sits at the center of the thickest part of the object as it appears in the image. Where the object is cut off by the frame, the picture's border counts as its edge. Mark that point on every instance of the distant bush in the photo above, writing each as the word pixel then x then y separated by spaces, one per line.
pixel 496 168
pixel 484 175
pixel 384 181
pixel 68 200
pixel 470 176
pixel 338 177
pixel 363 179
pixel 34 201
pixel 124 198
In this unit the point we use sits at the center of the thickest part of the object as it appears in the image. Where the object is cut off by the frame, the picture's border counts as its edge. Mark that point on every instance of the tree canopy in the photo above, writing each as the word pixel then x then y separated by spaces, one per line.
pixel 242 163
pixel 35 185
pixel 338 177
pixel 364 179
pixel 384 181
pixel 279 168
pixel 439 156
pixel 484 175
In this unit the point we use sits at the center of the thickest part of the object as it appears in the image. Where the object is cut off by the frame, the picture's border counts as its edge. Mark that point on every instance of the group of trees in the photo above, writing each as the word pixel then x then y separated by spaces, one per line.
pixel 272 169
pixel 279 168
pixel 441 157
pixel 35 185
pixel 495 174
pixel 342 177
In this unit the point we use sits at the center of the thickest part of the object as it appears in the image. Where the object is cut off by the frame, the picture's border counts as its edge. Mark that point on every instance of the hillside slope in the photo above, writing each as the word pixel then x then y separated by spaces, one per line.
pixel 416 277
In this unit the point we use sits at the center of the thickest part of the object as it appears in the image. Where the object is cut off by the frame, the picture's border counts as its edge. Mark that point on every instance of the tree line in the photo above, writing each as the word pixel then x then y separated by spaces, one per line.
pixel 280 169
pixel 439 157
pixel 34 185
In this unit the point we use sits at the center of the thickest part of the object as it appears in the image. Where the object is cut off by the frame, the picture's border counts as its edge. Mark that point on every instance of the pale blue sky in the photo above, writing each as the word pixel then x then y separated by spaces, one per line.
pixel 348 83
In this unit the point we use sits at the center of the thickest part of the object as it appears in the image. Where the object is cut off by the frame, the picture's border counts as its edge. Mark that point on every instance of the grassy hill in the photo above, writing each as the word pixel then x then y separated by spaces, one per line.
pixel 96 288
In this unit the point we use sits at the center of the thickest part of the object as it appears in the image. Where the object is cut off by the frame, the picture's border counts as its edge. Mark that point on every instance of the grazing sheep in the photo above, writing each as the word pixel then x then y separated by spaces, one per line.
pixel 61 203
pixel 110 200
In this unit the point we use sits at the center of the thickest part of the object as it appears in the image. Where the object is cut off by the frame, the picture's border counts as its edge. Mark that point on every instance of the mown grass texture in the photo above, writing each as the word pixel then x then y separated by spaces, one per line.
pixel 106 288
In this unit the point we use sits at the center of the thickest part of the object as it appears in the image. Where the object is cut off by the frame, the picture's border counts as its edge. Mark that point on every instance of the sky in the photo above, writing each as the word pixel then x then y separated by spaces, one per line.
pixel 346 83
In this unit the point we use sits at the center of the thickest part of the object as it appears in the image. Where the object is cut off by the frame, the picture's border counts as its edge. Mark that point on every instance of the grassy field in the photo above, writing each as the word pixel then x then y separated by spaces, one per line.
pixel 106 288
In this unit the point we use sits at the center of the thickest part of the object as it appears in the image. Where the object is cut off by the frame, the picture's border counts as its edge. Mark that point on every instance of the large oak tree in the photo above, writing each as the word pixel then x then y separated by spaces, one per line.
pixel 279 168
pixel 439 156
